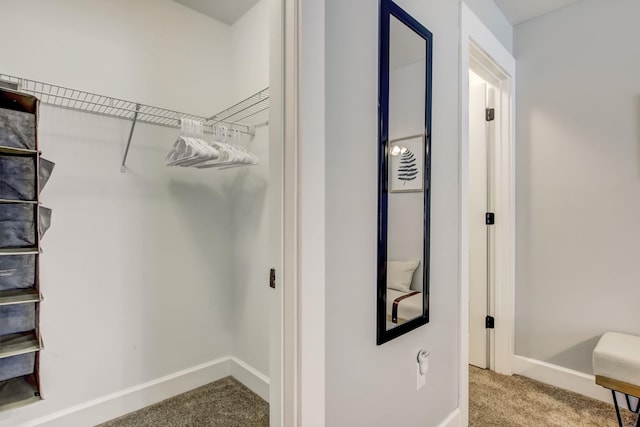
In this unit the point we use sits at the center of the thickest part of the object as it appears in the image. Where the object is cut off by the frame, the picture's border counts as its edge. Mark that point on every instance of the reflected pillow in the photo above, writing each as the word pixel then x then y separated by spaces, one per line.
pixel 400 274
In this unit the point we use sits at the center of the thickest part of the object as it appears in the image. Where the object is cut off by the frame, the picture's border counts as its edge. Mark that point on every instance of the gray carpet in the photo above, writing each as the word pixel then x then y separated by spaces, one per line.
pixel 501 401
pixel 224 403
pixel 494 401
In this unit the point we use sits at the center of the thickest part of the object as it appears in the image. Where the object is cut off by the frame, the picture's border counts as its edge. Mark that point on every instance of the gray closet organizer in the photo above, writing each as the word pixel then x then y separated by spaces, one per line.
pixel 22 224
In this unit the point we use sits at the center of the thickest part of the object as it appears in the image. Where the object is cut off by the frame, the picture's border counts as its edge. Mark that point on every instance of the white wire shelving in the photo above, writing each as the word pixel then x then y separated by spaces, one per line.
pixel 242 117
pixel 250 111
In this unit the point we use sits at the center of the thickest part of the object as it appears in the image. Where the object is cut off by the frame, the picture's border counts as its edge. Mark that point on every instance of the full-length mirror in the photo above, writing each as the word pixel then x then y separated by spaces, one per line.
pixel 404 173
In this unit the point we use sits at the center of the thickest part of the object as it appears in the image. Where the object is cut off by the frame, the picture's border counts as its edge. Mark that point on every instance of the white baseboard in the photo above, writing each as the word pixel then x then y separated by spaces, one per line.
pixel 131 399
pixel 247 375
pixel 453 420
pixel 558 376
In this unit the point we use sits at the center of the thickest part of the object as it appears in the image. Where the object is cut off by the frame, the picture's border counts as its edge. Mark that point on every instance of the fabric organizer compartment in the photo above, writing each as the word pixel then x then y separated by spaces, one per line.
pixel 17 318
pixel 17 129
pixel 20 391
pixel 16 177
pixel 17 272
pixel 17 366
pixel 17 226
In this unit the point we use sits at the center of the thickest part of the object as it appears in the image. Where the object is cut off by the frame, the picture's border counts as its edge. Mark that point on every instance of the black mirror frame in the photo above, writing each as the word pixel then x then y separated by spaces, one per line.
pixel 388 9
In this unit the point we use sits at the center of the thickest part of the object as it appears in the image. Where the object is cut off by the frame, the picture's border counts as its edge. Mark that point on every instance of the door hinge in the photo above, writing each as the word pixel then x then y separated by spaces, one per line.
pixel 489 218
pixel 490 114
pixel 489 322
pixel 272 278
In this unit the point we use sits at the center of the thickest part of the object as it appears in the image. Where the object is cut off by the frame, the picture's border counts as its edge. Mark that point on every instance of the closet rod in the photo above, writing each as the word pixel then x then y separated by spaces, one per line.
pixel 75 99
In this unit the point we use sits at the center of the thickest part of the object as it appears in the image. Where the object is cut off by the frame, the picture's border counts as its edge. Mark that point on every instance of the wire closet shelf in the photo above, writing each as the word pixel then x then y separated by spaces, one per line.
pixel 243 117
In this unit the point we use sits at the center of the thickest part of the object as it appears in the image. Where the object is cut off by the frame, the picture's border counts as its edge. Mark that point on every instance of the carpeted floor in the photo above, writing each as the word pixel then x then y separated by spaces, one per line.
pixel 501 401
pixel 224 403
pixel 494 401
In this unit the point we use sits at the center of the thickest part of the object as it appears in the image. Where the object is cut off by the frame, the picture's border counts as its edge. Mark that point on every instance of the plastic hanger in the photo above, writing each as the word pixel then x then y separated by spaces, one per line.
pixel 231 155
pixel 189 149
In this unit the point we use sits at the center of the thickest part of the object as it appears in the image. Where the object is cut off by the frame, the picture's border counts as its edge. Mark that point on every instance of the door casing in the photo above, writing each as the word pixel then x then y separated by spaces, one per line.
pixel 479 43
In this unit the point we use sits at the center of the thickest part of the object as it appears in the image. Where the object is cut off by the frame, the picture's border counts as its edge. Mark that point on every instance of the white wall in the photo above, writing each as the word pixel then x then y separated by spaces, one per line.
pixel 251 259
pixel 250 52
pixel 365 382
pixel 155 52
pixel 306 162
pixel 491 15
pixel 136 275
pixel 578 181
pixel 140 268
pixel 250 68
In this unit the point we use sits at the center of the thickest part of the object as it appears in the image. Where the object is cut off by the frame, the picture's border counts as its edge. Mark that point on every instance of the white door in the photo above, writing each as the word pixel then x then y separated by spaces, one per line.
pixel 481 97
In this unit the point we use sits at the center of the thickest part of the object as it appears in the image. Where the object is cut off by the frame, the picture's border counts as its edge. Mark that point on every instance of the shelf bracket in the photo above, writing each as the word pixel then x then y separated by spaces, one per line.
pixel 123 168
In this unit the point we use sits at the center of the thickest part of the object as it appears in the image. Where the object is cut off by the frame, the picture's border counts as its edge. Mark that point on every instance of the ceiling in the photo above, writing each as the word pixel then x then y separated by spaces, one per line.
pixel 227 11
pixel 518 11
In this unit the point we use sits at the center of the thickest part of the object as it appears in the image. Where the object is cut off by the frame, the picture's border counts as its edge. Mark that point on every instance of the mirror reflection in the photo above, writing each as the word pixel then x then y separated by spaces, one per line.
pixel 405 174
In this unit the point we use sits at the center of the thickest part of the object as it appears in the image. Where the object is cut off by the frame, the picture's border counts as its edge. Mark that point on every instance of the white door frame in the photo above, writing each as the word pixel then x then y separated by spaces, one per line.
pixel 284 319
pixel 475 34
pixel 303 207
pixel 282 201
pixel 289 294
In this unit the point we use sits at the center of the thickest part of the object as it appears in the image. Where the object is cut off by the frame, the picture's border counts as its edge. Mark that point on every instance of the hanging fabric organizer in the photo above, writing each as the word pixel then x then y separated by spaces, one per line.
pixel 242 117
pixel 23 222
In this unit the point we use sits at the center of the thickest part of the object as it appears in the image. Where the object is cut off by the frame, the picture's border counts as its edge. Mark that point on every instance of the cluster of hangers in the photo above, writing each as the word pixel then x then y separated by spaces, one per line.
pixel 191 149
